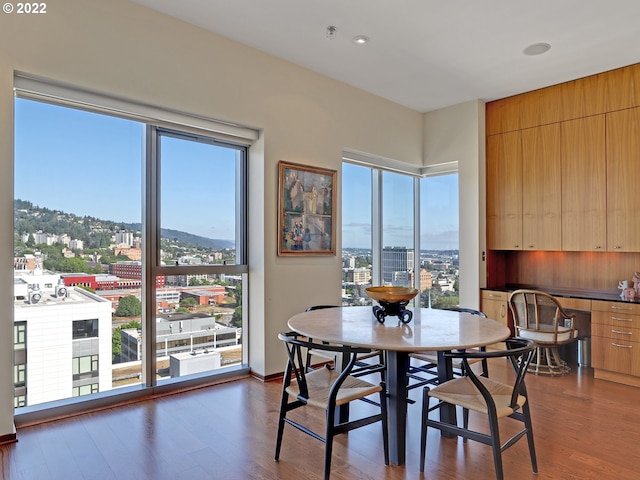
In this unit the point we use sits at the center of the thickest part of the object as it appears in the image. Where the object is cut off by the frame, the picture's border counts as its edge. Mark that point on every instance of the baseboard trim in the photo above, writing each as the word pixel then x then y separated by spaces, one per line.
pixel 9 437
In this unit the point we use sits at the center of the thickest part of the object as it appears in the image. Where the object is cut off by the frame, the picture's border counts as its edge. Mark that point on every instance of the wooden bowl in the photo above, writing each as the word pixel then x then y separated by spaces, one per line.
pixel 391 294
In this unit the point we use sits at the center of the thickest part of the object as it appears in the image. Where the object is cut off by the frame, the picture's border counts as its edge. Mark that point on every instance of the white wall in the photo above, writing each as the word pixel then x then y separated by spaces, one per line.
pixel 123 49
pixel 456 134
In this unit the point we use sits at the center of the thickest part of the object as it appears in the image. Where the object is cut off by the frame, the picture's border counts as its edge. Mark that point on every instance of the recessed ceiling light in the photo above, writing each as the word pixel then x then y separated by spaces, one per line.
pixel 537 49
pixel 361 39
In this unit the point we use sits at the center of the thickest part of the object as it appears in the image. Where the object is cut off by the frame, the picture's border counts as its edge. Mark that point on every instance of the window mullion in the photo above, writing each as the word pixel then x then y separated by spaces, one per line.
pixel 151 254
pixel 376 226
pixel 416 238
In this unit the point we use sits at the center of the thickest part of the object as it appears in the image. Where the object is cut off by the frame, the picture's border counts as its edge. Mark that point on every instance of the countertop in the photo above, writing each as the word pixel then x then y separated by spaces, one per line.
pixel 605 295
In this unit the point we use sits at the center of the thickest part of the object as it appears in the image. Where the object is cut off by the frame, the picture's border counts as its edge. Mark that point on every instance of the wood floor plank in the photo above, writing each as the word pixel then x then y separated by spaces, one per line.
pixel 584 428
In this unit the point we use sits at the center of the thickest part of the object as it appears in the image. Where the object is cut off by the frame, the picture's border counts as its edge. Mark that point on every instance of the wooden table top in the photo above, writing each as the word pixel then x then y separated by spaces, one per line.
pixel 430 329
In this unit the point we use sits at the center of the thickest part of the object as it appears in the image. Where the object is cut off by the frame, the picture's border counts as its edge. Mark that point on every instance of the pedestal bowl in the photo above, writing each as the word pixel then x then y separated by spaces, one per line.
pixel 393 301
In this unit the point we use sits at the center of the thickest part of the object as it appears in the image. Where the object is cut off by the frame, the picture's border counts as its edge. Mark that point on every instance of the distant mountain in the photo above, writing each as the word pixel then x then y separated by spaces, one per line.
pixel 96 233
pixel 188 238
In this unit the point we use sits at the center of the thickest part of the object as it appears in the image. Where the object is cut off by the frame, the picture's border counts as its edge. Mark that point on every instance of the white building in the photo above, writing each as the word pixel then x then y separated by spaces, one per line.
pixel 62 341
pixel 124 238
pixel 76 245
pixel 179 333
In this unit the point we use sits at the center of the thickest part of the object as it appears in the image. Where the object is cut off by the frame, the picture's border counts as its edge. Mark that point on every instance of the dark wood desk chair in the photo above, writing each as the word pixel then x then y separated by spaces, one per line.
pixel 540 317
pixel 480 394
pixel 326 388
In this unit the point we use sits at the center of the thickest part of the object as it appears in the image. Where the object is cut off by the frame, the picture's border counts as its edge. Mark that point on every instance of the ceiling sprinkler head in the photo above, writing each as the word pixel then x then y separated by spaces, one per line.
pixel 331 32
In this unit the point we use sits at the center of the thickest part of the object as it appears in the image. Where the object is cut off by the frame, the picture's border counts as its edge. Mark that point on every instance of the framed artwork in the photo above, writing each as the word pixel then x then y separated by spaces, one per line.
pixel 306 202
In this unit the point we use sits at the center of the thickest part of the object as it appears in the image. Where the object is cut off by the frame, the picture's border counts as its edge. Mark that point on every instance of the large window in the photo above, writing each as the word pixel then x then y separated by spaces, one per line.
pixel 439 240
pixel 139 228
pixel 357 247
pixel 399 229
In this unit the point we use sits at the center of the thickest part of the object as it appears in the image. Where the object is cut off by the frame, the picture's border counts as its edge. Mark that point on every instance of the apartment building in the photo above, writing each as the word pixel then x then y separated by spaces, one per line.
pixel 62 342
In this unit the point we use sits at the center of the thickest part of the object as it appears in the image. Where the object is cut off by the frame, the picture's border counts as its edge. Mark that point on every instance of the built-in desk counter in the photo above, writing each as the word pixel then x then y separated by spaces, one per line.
pixel 612 323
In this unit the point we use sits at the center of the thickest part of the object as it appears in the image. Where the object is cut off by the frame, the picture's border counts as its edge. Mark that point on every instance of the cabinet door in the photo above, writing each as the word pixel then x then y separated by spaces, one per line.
pixel 541 188
pixel 504 191
pixel 494 306
pixel 583 184
pixel 623 180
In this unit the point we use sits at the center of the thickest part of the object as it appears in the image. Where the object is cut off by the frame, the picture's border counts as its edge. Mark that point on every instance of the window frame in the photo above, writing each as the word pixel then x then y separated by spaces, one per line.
pixel 92 332
pixel 186 125
pixel 377 169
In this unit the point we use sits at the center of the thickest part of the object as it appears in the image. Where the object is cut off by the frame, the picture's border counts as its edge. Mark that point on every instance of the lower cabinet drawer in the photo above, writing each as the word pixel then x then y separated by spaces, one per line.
pixel 619 332
pixel 615 355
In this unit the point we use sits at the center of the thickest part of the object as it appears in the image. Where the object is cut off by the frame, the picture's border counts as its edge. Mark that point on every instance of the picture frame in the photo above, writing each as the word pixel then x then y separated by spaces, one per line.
pixel 306 210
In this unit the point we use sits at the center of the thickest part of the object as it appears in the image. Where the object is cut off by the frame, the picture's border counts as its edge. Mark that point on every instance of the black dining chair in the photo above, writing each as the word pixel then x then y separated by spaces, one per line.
pixel 488 397
pixel 424 370
pixel 363 365
pixel 326 388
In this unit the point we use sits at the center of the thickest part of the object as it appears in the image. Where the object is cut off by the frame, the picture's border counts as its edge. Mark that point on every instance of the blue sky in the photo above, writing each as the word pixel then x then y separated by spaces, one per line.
pixel 89 164
pixel 78 162
pixel 438 209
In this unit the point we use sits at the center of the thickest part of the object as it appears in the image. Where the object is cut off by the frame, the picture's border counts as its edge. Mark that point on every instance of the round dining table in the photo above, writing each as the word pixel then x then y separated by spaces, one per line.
pixel 430 329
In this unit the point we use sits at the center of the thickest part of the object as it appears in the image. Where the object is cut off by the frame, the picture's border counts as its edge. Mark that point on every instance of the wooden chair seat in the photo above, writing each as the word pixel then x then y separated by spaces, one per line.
pixel 320 381
pixel 462 392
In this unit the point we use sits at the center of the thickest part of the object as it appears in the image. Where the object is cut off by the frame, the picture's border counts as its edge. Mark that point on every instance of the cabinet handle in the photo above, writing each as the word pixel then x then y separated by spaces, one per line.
pixel 622 346
pixel 621 319
pixel 621 333
pixel 614 307
pixel 597 247
pixel 516 246
pixel 531 246
pixel 617 247
pixel 502 310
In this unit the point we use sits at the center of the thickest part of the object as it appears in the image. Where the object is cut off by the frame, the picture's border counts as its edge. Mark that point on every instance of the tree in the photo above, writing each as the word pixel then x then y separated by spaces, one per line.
pixel 30 241
pixel 188 302
pixel 116 340
pixel 236 318
pixel 129 306
pixel 237 294
pixel 445 302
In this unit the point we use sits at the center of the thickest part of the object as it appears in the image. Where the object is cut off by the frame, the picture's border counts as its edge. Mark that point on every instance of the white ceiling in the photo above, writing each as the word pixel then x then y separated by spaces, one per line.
pixel 429 54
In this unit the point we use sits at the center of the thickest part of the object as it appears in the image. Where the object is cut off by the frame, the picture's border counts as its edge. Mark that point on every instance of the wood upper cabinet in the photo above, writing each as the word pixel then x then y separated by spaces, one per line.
pixel 504 191
pixel 541 188
pixel 623 180
pixel 584 183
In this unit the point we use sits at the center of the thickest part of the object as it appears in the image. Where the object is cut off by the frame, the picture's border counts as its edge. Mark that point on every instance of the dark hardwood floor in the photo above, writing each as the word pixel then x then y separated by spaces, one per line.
pixel 584 429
